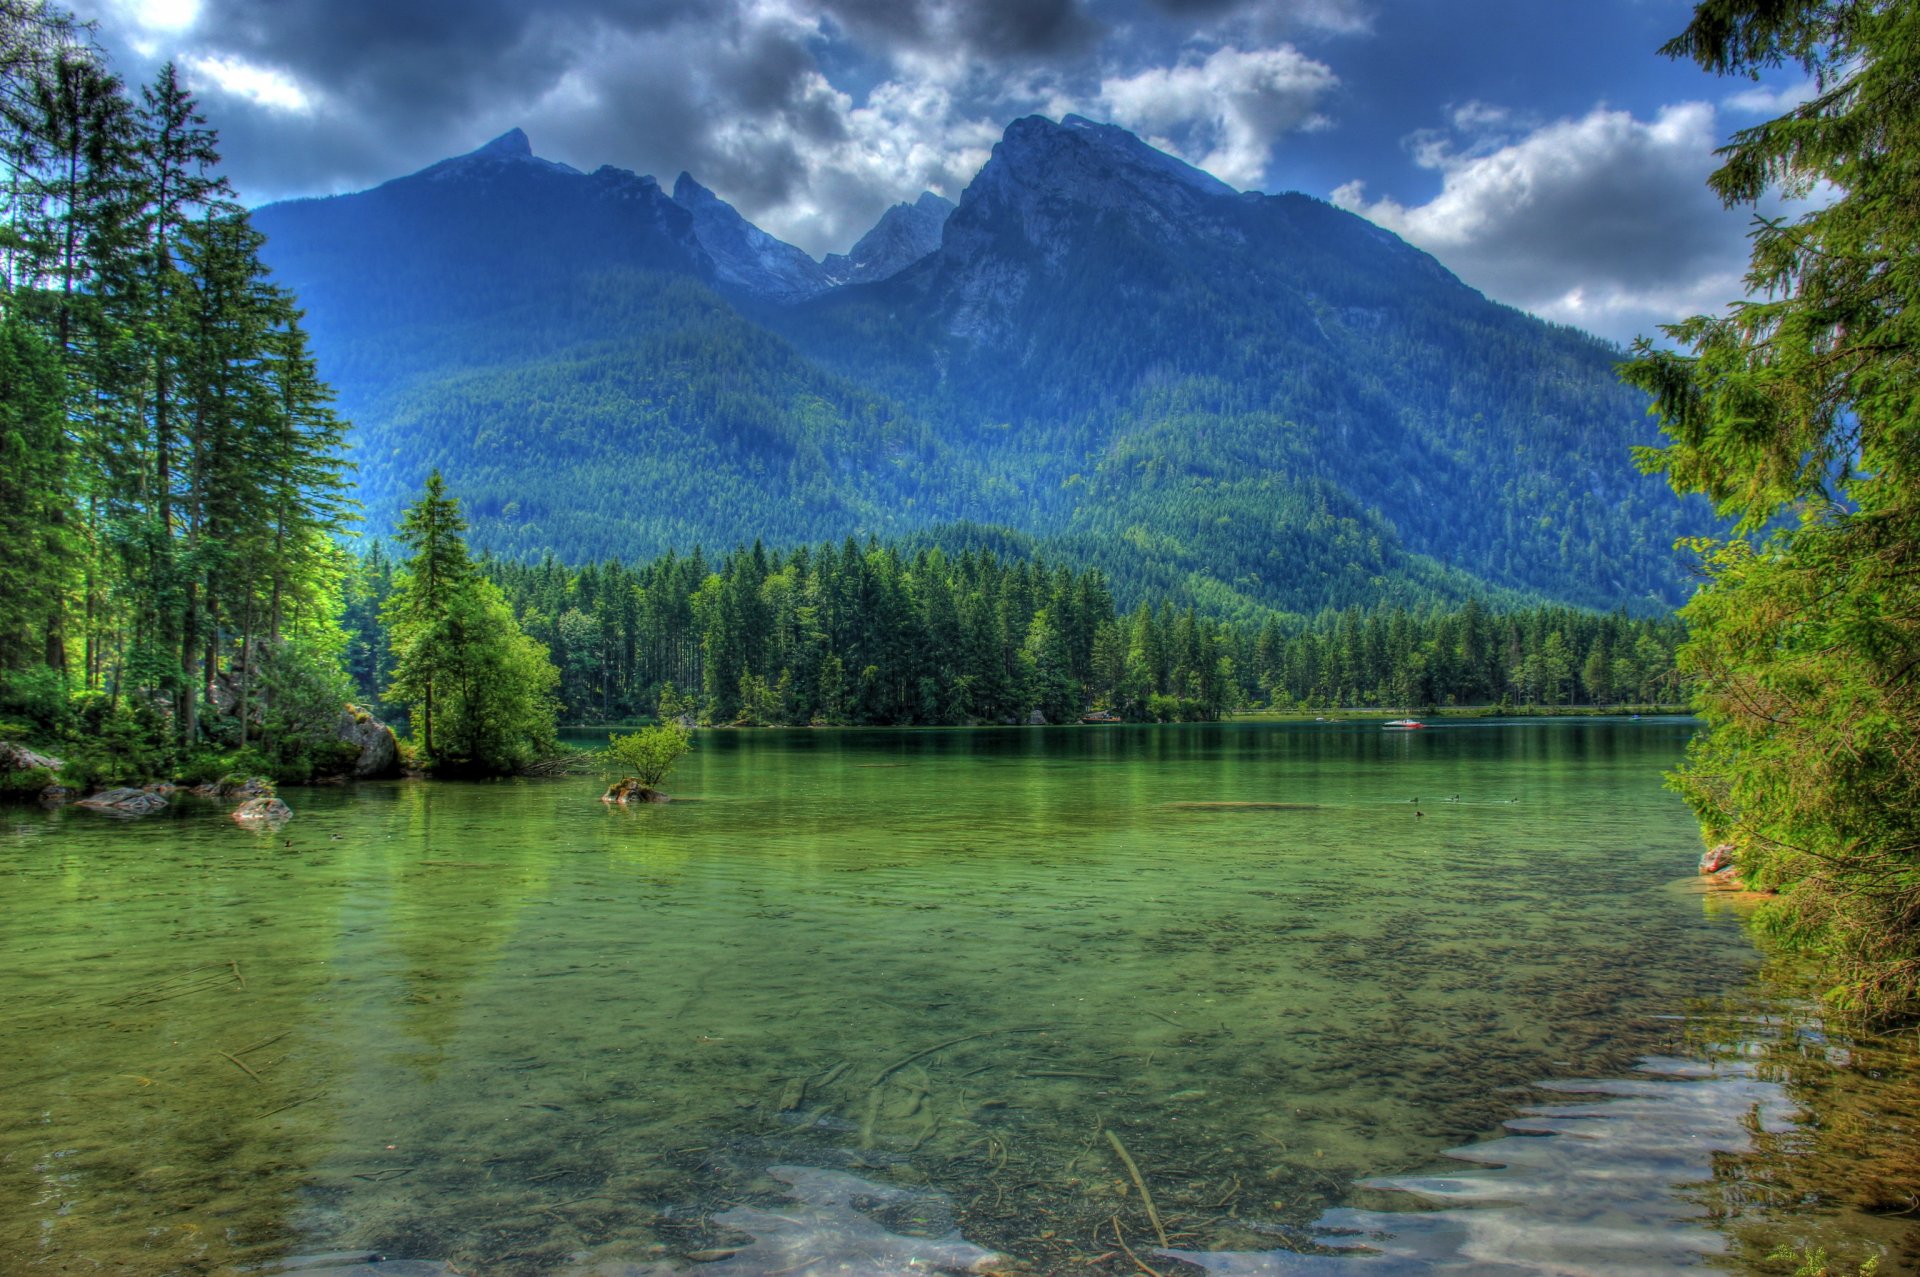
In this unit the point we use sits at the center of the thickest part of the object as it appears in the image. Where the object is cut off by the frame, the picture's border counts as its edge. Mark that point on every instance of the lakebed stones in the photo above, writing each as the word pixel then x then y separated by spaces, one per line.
pixel 124 801
pixel 262 813
pixel 631 791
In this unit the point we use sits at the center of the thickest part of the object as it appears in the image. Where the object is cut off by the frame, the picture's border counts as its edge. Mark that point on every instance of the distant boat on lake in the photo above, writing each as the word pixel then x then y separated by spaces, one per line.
pixel 1406 724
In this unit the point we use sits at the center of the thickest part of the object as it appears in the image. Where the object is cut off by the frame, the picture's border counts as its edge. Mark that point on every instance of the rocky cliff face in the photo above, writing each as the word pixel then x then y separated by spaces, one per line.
pixel 744 256
pixel 904 234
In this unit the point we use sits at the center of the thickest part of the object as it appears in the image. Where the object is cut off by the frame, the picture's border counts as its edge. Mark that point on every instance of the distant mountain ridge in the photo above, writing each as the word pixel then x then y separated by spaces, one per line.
pixel 1242 399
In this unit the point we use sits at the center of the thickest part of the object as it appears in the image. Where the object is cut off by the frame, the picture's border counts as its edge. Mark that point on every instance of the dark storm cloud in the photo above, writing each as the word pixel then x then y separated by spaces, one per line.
pixel 408 59
pixel 987 28
pixel 811 116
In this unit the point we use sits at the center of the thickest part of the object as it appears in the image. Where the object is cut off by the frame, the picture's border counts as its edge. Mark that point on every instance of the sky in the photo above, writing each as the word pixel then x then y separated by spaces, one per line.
pixel 1541 149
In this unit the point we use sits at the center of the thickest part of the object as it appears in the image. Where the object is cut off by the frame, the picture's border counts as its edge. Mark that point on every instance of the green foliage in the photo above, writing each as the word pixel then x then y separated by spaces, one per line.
pixel 480 690
pixel 38 698
pixel 303 691
pixel 1799 415
pixel 38 548
pixel 1812 1261
pixel 171 478
pixel 875 635
pixel 24 782
pixel 117 742
pixel 649 754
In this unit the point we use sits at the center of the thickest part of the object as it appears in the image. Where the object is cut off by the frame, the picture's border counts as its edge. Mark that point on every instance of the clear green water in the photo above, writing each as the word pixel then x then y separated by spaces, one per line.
pixel 503 1028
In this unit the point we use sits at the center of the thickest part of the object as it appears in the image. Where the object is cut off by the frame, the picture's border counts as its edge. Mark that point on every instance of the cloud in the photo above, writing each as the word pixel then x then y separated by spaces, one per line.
pixel 1226 111
pixel 1604 221
pixel 1772 101
pixel 811 116
pixel 238 78
pixel 1263 21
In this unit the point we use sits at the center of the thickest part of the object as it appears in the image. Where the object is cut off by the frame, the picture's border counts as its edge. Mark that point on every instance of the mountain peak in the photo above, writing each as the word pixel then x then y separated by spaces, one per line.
pixel 511 145
pixel 904 234
pixel 745 256
pixel 1039 138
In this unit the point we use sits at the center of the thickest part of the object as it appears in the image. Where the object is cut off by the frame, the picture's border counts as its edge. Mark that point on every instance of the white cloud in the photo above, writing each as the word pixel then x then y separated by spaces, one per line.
pixel 239 78
pixel 1225 112
pixel 1604 221
pixel 1778 100
pixel 156 15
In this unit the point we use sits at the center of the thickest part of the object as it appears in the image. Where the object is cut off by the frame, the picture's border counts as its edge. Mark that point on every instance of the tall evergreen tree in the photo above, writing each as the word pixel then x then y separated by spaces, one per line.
pixel 1802 408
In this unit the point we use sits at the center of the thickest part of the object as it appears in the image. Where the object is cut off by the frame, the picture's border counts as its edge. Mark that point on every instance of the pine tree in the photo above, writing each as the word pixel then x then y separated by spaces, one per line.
pixel 1802 408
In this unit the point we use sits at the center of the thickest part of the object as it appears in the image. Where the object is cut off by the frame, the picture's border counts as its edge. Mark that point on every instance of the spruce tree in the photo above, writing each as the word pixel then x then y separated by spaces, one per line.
pixel 1798 412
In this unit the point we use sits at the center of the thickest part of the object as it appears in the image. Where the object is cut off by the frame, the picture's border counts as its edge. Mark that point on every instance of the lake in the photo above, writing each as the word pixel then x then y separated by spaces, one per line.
pixel 924 1001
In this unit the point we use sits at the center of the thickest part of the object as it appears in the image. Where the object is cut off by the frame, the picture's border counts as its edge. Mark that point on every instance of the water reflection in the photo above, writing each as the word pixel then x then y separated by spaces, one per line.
pixel 502 1028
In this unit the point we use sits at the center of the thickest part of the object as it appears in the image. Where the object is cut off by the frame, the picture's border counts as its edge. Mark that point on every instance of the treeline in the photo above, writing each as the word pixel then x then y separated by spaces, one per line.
pixel 171 479
pixel 870 634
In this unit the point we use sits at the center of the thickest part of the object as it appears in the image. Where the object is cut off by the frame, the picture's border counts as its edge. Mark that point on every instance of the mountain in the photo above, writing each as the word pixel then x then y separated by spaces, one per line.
pixel 1158 342
pixel 904 234
pixel 1239 399
pixel 745 256
pixel 470 261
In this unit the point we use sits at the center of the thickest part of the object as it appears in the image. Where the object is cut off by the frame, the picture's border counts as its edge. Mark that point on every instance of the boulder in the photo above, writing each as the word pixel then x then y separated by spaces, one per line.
pixel 124 802
pixel 262 813
pixel 378 756
pixel 58 795
pixel 18 758
pixel 632 791
pixel 1036 719
pixel 1717 859
pixel 232 788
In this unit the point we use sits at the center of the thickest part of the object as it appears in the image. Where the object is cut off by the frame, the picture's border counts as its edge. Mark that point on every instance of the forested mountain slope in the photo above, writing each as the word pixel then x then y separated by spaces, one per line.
pixel 1242 400
pixel 1183 350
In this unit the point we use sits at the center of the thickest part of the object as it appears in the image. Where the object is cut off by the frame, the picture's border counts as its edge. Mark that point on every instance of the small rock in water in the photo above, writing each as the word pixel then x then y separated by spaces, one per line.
pixel 631 791
pixel 262 813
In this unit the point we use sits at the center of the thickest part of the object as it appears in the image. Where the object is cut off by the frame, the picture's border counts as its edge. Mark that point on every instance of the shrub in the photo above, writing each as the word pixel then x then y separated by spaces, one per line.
pixel 649 754
pixel 38 698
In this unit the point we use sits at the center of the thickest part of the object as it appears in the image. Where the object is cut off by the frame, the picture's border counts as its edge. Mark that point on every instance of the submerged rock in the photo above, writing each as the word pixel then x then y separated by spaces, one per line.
pixel 124 801
pixel 831 1227
pixel 632 791
pixel 262 813
pixel 378 756
pixel 58 795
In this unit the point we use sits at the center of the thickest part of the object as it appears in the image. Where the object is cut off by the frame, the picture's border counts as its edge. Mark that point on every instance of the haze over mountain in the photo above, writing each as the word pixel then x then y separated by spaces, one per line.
pixel 1242 399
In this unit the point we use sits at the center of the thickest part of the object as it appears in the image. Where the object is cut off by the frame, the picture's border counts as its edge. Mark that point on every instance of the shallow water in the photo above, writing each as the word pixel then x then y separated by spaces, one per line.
pixel 872 1003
